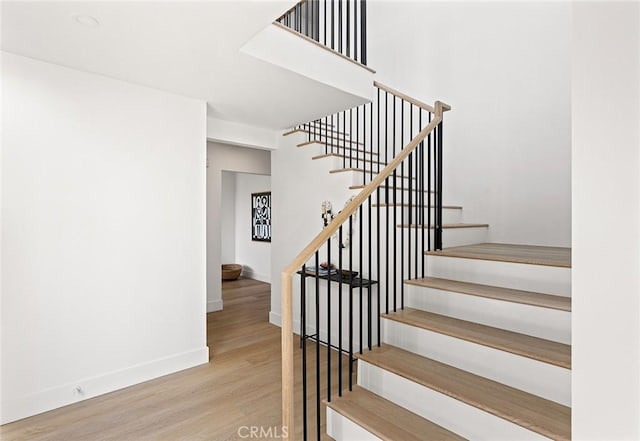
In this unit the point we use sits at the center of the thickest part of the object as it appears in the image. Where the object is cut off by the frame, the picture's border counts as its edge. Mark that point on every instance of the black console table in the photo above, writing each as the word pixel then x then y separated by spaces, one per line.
pixel 347 279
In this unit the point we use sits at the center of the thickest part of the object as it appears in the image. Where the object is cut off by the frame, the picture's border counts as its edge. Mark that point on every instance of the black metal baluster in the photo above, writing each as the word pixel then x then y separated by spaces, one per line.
pixel 429 189
pixel 332 132
pixel 340 311
pixel 329 267
pixel 402 230
pixel 419 195
pixel 350 135
pixel 348 30
pixel 371 142
pixel 370 277
pixel 340 26
pixel 303 341
pixel 325 22
pixel 386 199
pixel 317 2
pixel 355 30
pixel 318 344
pixel 326 136
pixel 333 23
pixel 378 224
pixel 439 203
pixel 344 139
pixel 360 268
pixel 358 141
pixel 350 232
pixel 395 214
pixel 378 158
pixel 363 32
pixel 410 197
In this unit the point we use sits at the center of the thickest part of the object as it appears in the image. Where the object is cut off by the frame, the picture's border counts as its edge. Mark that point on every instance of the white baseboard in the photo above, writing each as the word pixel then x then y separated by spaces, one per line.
pixel 17 408
pixel 250 274
pixel 214 305
pixel 276 319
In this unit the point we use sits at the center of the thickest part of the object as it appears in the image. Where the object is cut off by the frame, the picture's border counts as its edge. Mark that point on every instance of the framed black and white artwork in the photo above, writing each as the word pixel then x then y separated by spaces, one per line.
pixel 261 216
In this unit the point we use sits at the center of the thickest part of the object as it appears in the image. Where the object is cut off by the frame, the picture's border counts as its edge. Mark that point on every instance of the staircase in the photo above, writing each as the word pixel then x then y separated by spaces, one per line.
pixel 440 335
pixel 481 360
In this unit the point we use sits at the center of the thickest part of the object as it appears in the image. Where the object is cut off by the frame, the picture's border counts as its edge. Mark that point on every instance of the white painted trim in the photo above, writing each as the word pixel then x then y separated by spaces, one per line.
pixel 275 45
pixel 243 135
pixel 276 319
pixel 66 394
pixel 214 305
pixel 250 274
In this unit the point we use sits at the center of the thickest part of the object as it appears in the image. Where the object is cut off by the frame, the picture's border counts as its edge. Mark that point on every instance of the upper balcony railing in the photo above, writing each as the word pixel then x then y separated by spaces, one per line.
pixel 338 24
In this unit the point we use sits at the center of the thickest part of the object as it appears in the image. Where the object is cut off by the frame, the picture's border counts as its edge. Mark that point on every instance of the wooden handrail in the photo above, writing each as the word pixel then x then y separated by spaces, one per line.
pixel 320 239
pixel 407 98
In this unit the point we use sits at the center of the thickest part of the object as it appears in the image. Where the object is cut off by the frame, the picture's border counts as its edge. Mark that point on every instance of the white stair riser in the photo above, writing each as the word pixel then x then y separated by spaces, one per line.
pixel 454 415
pixel 362 160
pixel 356 177
pixel 388 196
pixel 451 237
pixel 546 323
pixel 342 428
pixel 449 215
pixel 454 237
pixel 538 378
pixel 536 278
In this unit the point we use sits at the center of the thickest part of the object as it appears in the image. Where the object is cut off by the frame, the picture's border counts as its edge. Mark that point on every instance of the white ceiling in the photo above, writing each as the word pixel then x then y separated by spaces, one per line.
pixel 188 48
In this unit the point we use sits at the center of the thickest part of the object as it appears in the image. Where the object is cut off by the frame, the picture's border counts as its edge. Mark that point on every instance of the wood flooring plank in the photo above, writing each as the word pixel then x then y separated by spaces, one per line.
pixel 240 386
pixel 534 413
pixel 546 351
pixel 495 292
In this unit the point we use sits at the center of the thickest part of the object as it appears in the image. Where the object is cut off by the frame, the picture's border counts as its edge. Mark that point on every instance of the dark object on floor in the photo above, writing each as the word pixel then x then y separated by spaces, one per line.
pixel 231 271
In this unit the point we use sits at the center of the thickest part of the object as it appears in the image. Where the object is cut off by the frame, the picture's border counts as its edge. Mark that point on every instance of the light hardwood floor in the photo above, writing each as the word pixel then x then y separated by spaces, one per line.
pixel 239 387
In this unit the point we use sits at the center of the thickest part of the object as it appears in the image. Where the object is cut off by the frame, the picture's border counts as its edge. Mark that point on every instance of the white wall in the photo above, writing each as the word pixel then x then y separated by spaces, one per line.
pixel 606 220
pixel 299 185
pixel 230 158
pixel 228 217
pixel 254 256
pixel 504 67
pixel 103 235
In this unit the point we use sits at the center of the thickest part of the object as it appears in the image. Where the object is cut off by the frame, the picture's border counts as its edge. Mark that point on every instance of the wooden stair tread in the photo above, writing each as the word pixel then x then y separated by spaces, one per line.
pixel 532 412
pixel 528 254
pixel 546 351
pixel 446 226
pixel 387 420
pixel 496 292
